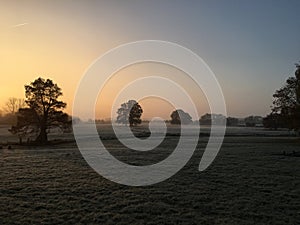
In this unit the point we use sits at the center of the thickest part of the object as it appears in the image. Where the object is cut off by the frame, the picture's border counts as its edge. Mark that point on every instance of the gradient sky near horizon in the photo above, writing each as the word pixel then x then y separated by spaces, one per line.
pixel 251 46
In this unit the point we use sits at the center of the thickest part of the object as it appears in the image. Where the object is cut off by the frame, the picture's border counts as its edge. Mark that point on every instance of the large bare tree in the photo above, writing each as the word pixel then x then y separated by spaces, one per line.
pixel 13 104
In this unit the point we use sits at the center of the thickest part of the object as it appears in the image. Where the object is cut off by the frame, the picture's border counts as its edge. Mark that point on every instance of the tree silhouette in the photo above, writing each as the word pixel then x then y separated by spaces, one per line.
pixel 252 121
pixel 231 121
pixel 274 121
pixel 286 104
pixel 180 117
pixel 297 74
pixel 297 108
pixel 212 119
pixel 27 123
pixel 130 113
pixel 44 109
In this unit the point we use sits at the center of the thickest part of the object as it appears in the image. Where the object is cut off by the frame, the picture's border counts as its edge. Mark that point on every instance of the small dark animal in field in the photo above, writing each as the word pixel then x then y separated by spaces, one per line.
pixel 9 147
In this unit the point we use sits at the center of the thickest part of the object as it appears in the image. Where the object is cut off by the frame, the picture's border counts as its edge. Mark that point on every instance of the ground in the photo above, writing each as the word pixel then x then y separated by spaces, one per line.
pixel 250 182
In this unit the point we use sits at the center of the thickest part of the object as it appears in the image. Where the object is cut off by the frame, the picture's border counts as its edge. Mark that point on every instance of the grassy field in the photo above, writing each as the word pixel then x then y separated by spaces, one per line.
pixel 250 182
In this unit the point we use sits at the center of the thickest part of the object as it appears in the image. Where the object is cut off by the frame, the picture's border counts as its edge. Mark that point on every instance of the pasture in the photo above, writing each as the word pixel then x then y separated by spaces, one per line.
pixel 250 182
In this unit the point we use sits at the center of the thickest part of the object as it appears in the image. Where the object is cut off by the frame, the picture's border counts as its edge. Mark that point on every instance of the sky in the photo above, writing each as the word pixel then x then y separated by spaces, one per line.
pixel 251 46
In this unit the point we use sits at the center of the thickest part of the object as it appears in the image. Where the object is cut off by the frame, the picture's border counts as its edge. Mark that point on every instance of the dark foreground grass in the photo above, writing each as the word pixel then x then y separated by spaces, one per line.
pixel 250 182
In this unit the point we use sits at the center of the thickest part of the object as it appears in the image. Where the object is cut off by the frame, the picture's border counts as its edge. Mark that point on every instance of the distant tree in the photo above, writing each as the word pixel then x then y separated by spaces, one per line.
pixel 180 117
pixel 44 109
pixel 13 105
pixel 76 120
pixel 130 113
pixel 215 119
pixel 206 119
pixel 252 121
pixel 10 109
pixel 231 121
pixel 286 104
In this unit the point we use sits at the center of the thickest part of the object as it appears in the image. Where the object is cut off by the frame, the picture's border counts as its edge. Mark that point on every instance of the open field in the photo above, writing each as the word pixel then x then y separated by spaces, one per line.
pixel 250 182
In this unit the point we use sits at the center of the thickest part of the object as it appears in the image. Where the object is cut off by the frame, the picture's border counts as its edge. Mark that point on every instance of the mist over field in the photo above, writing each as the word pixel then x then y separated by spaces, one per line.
pixel 250 181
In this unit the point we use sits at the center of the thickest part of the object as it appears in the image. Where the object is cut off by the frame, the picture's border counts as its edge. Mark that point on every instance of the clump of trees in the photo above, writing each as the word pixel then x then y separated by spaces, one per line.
pixel 180 117
pixel 232 121
pixel 130 113
pixel 253 121
pixel 212 119
pixel 43 111
pixel 286 105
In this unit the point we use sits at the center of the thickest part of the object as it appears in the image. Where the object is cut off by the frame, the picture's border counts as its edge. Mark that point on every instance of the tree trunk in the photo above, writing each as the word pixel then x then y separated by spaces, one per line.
pixel 42 138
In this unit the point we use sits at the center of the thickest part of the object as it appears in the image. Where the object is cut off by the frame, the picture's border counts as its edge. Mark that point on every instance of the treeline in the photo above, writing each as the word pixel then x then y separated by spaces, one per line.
pixel 285 111
pixel 41 111
pixel 130 113
pixel 216 119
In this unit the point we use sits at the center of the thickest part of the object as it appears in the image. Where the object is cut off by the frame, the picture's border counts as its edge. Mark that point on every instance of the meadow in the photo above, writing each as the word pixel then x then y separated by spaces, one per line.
pixel 255 179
